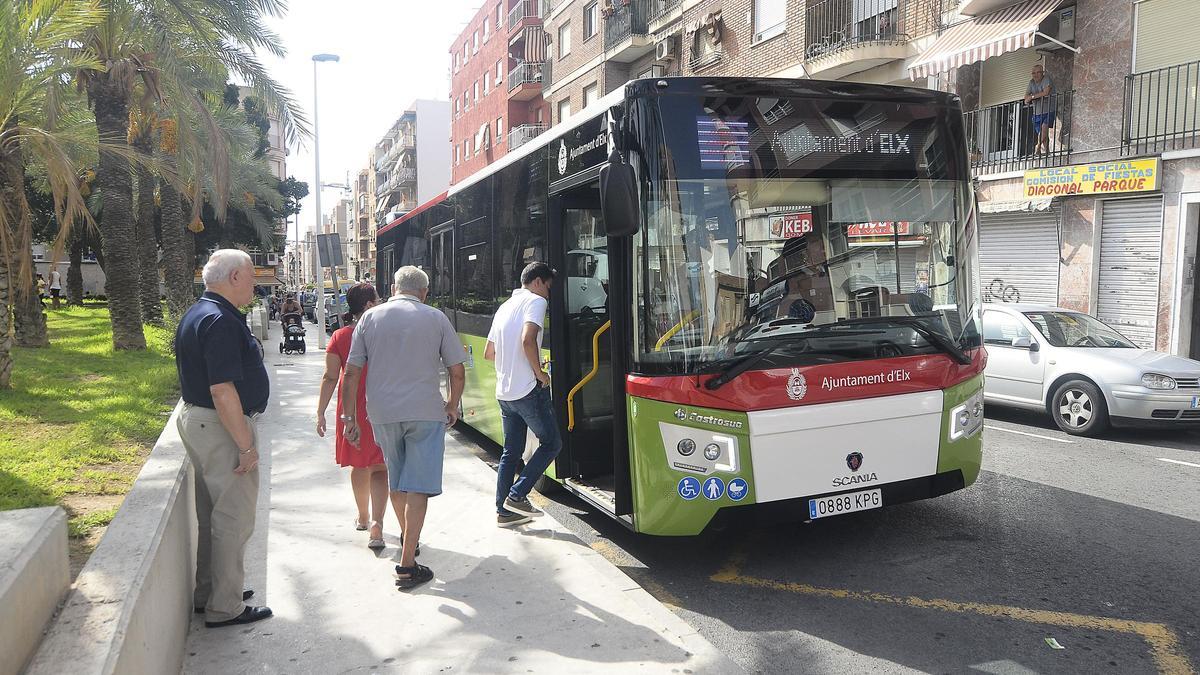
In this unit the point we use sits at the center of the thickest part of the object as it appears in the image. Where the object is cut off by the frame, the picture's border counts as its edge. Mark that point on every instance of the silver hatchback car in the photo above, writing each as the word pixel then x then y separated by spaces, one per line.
pixel 1082 372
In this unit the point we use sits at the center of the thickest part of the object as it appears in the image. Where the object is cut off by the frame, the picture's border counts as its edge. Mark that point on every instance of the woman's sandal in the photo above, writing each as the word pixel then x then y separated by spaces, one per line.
pixel 377 543
pixel 418 551
pixel 360 525
pixel 416 575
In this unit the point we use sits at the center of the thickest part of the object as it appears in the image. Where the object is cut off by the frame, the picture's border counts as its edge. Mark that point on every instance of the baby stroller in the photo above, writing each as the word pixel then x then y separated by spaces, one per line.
pixel 293 334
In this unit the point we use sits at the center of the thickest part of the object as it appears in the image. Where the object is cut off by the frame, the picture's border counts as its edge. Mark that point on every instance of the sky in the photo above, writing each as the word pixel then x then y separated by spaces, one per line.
pixel 392 53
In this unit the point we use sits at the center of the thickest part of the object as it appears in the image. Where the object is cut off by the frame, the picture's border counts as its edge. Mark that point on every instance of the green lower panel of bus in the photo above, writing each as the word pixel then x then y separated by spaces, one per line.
pixel 677 495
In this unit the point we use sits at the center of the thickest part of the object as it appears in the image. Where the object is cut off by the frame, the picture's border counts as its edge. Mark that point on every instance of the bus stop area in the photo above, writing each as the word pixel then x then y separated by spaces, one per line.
pixel 533 599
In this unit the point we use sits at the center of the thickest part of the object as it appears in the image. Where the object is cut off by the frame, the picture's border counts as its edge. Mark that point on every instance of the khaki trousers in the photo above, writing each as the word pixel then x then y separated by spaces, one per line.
pixel 225 510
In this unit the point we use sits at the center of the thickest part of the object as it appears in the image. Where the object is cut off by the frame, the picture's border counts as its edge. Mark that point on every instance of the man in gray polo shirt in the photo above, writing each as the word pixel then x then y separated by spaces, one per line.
pixel 408 344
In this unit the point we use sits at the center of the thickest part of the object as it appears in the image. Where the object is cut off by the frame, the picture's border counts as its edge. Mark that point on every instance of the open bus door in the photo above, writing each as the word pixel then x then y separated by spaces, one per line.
pixel 590 415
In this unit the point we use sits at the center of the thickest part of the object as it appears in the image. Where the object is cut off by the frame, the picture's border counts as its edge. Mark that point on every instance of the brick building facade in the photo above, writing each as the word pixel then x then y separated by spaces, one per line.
pixel 496 67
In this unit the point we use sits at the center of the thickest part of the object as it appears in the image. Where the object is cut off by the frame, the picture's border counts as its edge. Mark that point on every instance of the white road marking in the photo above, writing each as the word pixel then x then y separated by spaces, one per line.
pixel 1026 433
pixel 1176 461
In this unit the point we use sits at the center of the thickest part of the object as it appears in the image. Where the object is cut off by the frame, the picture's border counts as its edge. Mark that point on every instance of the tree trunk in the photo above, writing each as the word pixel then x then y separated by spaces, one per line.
pixel 75 269
pixel 177 260
pixel 6 343
pixel 29 321
pixel 117 231
pixel 148 278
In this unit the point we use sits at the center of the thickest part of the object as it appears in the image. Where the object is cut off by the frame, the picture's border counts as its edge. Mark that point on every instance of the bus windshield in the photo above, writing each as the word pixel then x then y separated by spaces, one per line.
pixel 803 251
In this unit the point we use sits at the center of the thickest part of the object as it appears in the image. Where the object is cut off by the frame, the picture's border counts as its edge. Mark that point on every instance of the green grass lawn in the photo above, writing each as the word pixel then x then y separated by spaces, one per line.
pixel 80 419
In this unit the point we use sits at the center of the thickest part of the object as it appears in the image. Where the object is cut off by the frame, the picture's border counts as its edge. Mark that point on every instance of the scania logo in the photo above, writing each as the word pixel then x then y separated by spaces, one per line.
pixel 681 414
pixel 796 386
pixel 562 158
pixel 854 460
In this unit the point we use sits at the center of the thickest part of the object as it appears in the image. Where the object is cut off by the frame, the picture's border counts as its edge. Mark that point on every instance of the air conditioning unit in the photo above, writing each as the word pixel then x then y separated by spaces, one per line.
pixel 1058 29
pixel 272 259
pixel 664 50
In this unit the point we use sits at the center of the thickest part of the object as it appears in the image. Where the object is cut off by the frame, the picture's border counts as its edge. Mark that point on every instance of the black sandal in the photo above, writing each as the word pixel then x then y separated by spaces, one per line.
pixel 417 575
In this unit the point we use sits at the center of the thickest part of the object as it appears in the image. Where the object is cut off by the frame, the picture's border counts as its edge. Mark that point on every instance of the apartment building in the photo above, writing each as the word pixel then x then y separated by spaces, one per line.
pixel 497 66
pixel 411 162
pixel 361 239
pixel 1102 217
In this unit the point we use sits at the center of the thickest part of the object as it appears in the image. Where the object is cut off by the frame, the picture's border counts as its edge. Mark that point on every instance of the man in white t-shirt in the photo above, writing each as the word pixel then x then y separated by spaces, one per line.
pixel 55 285
pixel 523 391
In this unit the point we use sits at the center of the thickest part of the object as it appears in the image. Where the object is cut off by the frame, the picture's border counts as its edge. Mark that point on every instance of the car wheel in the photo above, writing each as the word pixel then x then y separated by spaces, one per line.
pixel 1079 409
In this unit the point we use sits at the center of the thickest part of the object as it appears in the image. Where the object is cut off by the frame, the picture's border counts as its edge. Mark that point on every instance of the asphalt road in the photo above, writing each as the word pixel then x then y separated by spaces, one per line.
pixel 1093 543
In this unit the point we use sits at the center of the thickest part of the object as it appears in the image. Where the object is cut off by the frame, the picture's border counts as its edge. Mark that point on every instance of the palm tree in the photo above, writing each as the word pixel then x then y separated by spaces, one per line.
pixel 158 43
pixel 141 138
pixel 33 62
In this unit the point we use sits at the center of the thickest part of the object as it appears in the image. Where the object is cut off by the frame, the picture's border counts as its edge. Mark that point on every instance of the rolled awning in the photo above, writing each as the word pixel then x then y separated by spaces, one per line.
pixel 999 32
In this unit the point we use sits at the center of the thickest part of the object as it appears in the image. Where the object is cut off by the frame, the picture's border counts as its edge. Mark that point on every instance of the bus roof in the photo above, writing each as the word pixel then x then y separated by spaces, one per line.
pixel 695 85
pixel 423 207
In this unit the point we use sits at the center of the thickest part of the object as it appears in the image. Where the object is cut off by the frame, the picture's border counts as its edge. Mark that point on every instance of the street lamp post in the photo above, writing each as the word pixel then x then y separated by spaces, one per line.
pixel 317 274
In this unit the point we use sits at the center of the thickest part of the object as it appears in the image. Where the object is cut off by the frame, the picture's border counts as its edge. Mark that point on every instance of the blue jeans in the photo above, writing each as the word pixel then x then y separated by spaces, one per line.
pixel 533 412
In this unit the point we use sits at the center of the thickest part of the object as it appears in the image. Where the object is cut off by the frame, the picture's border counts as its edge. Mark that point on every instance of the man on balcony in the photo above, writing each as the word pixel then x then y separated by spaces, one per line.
pixel 1039 94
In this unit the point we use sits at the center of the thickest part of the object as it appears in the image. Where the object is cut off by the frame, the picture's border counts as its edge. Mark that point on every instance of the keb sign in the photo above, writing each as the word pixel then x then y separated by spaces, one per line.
pixel 791 225
pixel 1132 175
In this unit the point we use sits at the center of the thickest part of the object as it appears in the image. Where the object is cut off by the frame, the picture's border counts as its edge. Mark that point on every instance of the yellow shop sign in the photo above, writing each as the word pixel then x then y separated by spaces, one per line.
pixel 1132 175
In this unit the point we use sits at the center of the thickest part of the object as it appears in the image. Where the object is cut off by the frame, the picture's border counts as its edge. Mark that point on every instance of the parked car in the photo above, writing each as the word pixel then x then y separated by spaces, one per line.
pixel 308 301
pixel 1082 372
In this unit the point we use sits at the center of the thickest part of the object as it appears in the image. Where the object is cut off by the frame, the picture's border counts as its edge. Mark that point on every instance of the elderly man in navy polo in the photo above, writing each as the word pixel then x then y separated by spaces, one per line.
pixel 224 389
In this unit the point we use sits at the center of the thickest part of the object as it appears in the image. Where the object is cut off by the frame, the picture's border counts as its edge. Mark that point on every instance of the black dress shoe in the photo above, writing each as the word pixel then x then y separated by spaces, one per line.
pixel 248 615
pixel 246 595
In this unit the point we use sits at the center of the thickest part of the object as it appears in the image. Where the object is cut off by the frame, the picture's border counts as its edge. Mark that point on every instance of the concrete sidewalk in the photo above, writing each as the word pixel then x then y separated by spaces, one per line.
pixel 535 599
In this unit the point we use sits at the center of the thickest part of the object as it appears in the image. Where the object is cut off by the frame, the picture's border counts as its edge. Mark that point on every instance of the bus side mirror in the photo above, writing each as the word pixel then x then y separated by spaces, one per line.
pixel 619 198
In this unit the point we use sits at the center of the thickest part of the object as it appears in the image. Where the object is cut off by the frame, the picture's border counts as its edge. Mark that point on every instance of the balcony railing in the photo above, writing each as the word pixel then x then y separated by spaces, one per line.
pixel 525 73
pixel 525 9
pixel 832 26
pixel 628 18
pixel 402 143
pixel 518 136
pixel 405 174
pixel 660 8
pixel 1004 137
pixel 1162 110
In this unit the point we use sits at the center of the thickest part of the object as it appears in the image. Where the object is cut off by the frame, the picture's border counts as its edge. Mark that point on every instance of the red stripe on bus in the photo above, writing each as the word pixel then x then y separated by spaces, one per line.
pixel 789 387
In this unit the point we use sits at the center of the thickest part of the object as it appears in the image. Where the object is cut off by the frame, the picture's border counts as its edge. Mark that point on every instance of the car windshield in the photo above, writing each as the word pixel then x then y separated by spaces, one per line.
pixel 1069 329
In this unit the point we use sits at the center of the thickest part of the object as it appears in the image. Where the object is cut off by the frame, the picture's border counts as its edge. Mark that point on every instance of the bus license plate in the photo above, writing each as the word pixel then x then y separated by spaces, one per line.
pixel 847 503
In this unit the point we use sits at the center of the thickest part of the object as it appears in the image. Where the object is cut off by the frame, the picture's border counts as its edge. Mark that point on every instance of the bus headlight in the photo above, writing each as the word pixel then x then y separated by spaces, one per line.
pixel 967 419
pixel 686 447
pixel 712 451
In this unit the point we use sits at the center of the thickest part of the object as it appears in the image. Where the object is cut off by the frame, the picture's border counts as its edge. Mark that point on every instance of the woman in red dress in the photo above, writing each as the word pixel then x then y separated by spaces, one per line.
pixel 368 473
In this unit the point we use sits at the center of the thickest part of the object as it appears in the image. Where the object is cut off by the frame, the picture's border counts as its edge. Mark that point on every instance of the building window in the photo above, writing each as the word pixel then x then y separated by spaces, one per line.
pixel 564 39
pixel 466 101
pixel 457 106
pixel 770 18
pixel 457 156
pixel 455 61
pixel 486 28
pixel 475 92
pixel 500 129
pixel 499 15
pixel 564 109
pixel 475 40
pixel 486 84
pixel 590 94
pixel 499 72
pixel 466 53
pixel 591 19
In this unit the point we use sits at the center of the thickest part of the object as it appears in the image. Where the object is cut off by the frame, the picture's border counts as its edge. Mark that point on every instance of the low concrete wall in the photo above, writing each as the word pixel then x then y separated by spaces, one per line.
pixel 34 577
pixel 131 604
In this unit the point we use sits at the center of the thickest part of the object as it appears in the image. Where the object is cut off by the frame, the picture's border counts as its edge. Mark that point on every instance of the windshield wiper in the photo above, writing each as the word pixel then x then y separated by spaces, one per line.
pixel 750 360
pixel 931 336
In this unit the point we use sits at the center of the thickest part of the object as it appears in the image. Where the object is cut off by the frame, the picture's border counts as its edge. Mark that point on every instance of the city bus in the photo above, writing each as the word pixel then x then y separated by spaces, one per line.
pixel 767 295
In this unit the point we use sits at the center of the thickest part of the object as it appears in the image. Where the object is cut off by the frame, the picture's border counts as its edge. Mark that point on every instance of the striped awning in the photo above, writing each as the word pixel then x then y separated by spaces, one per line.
pixel 535 44
pixel 1002 31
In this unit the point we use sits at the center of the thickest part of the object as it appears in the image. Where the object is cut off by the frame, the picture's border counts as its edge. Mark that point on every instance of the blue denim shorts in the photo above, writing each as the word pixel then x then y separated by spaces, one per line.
pixel 1046 118
pixel 413 452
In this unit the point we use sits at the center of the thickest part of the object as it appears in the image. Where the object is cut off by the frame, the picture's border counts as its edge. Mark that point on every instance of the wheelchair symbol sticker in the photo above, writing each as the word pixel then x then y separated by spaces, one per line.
pixel 689 487
pixel 713 488
pixel 738 489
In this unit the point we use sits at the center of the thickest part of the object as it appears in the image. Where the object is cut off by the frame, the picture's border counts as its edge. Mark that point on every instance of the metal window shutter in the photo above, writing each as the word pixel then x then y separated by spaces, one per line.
pixel 1159 41
pixel 1130 256
pixel 1019 256
pixel 1006 77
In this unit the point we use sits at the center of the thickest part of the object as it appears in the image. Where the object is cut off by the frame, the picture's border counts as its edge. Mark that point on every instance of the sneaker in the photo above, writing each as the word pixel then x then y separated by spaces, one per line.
pixel 511 519
pixel 523 507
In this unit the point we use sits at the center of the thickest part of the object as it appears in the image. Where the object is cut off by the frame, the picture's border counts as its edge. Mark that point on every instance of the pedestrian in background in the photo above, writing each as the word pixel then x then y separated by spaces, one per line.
pixel 55 285
pixel 408 344
pixel 225 388
pixel 41 289
pixel 368 473
pixel 523 390
pixel 1038 94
